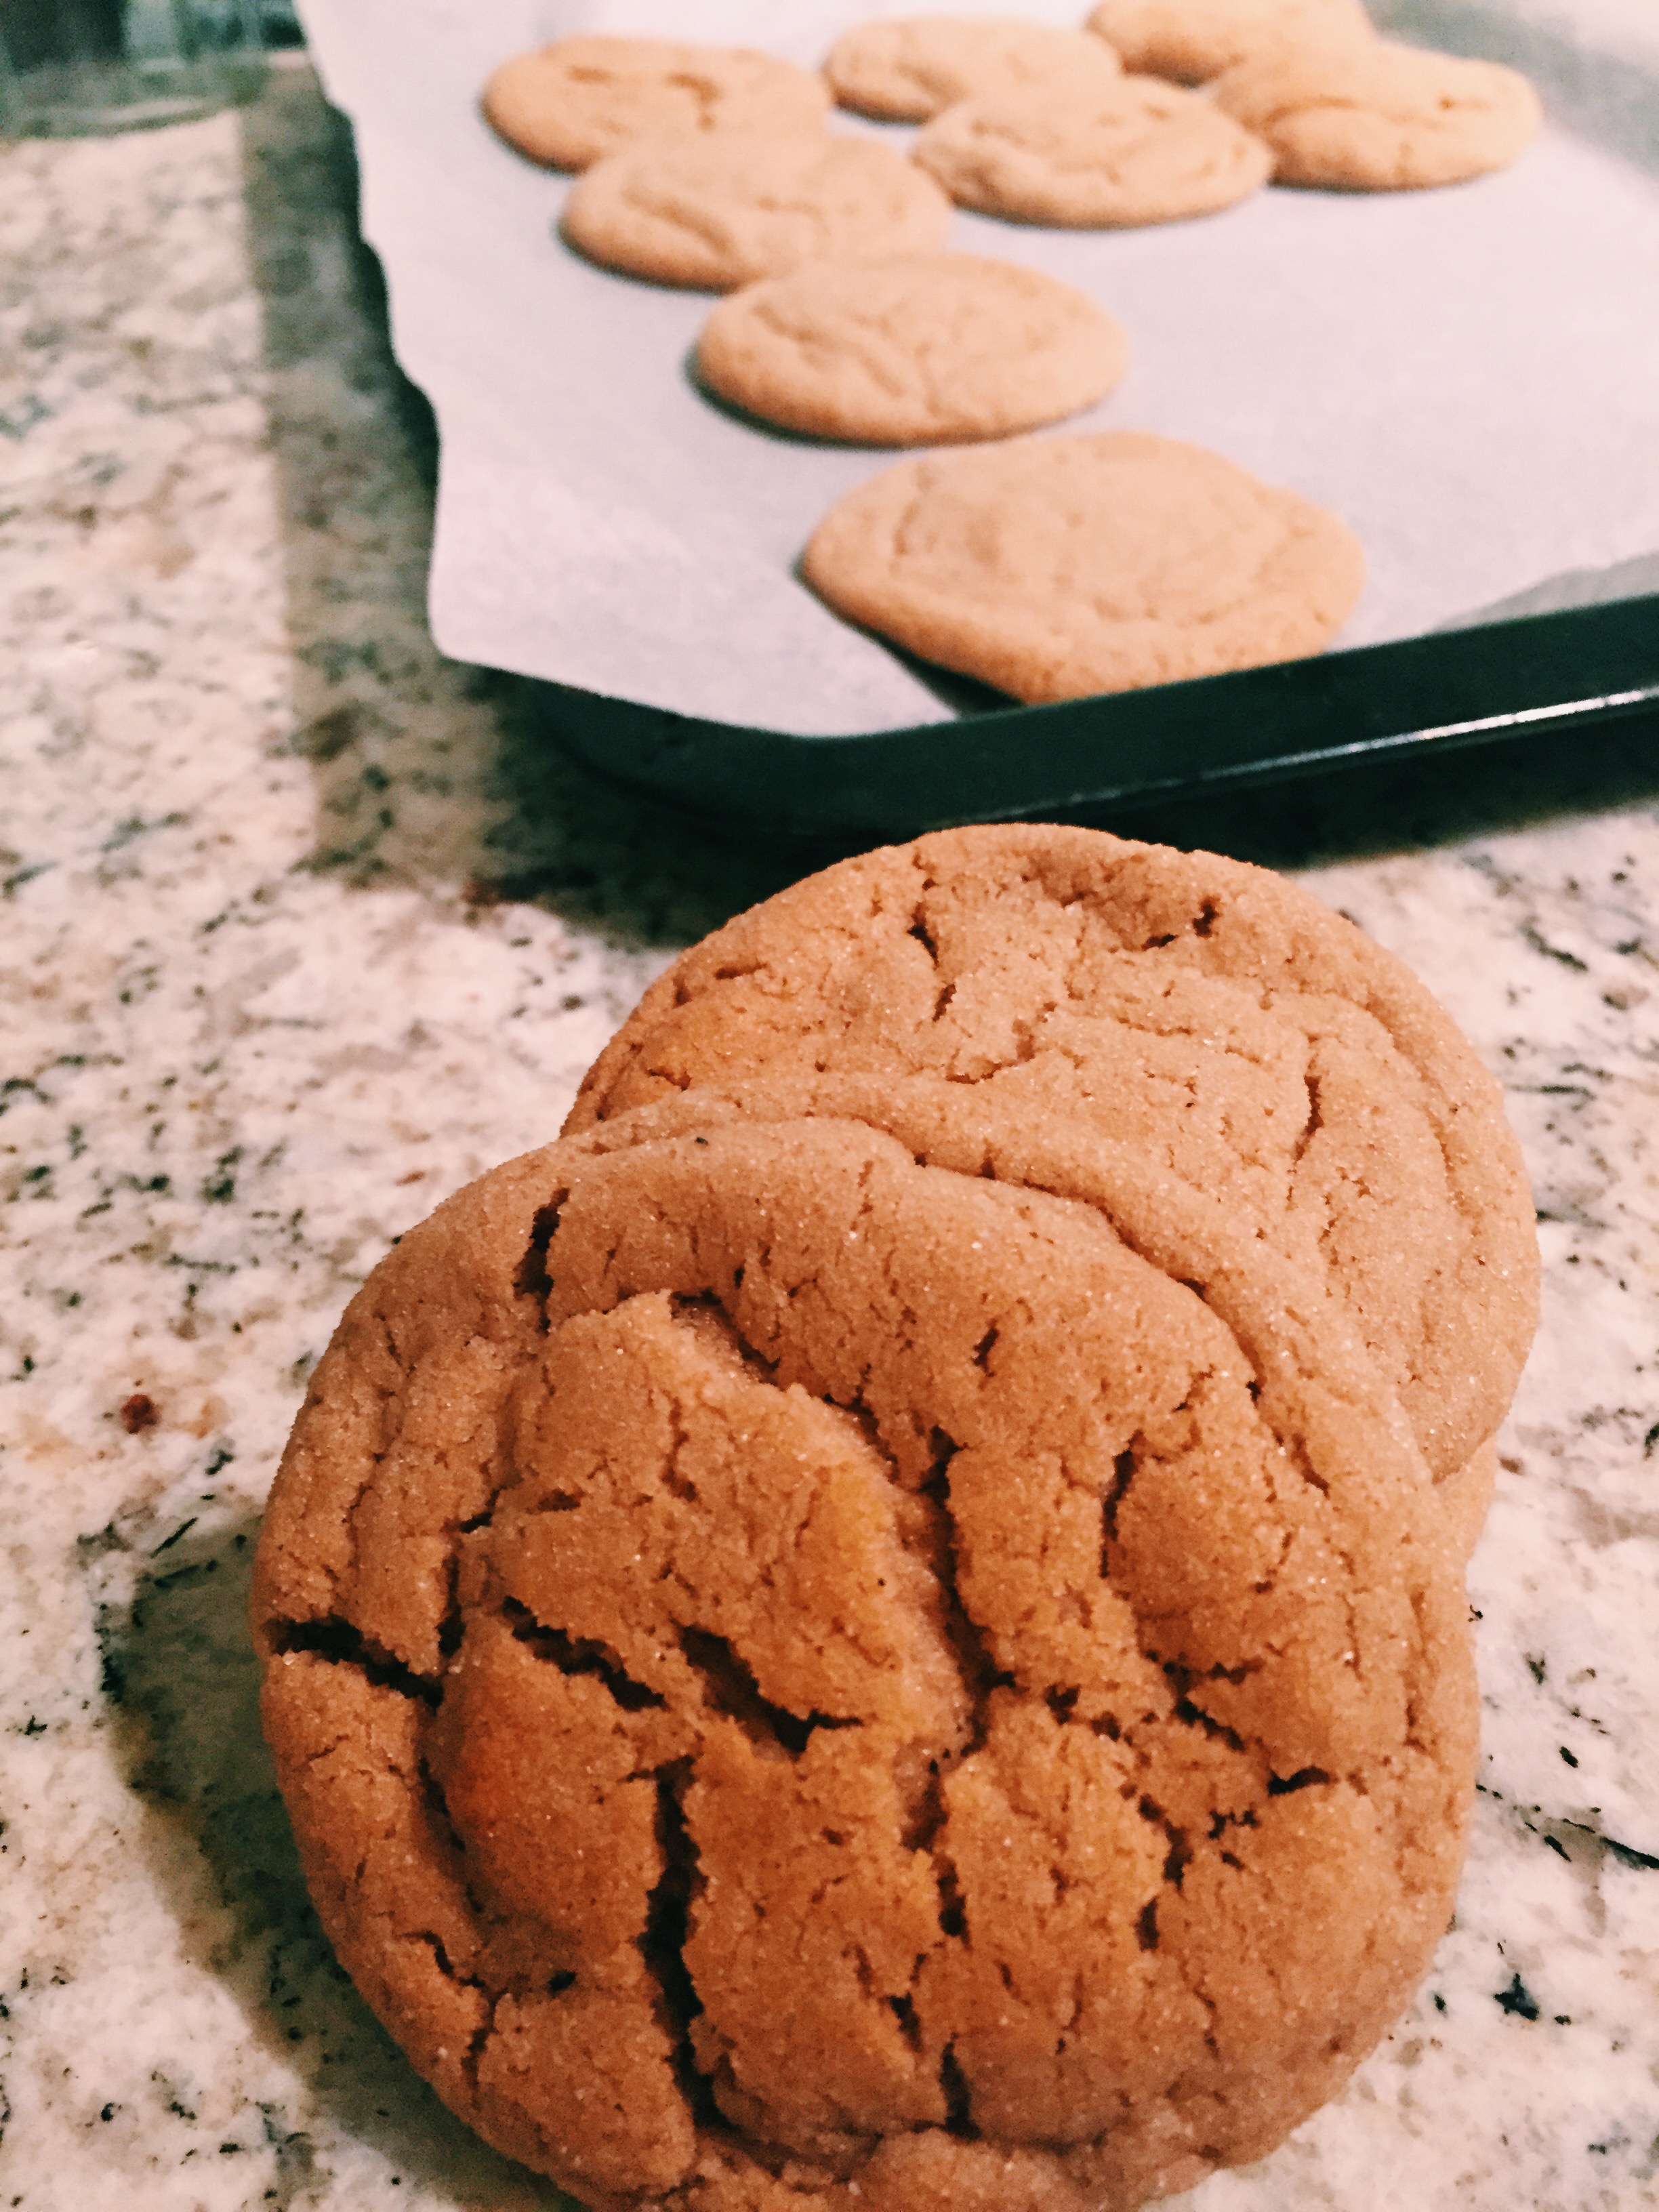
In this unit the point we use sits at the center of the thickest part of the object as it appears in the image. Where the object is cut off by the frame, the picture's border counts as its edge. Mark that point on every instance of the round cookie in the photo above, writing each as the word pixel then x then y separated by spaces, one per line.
pixel 908 71
pixel 1374 116
pixel 1015 1759
pixel 1192 40
pixel 1135 151
pixel 1058 568
pixel 1250 1044
pixel 570 103
pixel 731 207
pixel 917 349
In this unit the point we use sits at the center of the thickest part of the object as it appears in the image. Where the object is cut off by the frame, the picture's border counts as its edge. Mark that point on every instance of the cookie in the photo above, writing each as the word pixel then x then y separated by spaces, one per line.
pixel 782 1653
pixel 1135 151
pixel 1057 568
pixel 1378 117
pixel 1192 40
pixel 731 207
pixel 908 71
pixel 913 351
pixel 1251 1044
pixel 569 104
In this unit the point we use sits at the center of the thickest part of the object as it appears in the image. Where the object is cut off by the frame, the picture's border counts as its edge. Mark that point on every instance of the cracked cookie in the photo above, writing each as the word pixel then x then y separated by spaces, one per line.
pixel 1192 40
pixel 825 1669
pixel 1134 150
pixel 1373 117
pixel 908 71
pixel 568 104
pixel 732 207
pixel 1057 568
pixel 914 349
pixel 1254 1046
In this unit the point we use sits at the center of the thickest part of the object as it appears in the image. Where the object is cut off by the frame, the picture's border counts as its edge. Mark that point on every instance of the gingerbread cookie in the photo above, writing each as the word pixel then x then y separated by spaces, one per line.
pixel 1250 1044
pixel 570 103
pixel 1135 151
pixel 1056 568
pixel 913 351
pixel 1192 40
pixel 908 71
pixel 780 1650
pixel 1374 116
pixel 731 207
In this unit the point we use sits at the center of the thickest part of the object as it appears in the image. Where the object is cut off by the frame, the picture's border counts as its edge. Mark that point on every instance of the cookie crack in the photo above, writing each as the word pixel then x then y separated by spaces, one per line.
pixel 1123 1474
pixel 729 1687
pixel 1305 1777
pixel 662 1942
pixel 980 1676
pixel 1176 1860
pixel 903 2010
pixel 957 2095
pixel 573 1655
pixel 975 1662
pixel 342 1643
pixel 1311 1127
pixel 534 1279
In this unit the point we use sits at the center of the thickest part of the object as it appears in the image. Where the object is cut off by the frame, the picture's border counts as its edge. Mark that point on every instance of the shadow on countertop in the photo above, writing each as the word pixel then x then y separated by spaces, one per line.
pixel 431 773
pixel 183 1683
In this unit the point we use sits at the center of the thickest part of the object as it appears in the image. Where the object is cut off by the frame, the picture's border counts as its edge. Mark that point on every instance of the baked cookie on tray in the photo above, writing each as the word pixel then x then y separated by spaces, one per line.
pixel 915 349
pixel 568 104
pixel 1192 41
pixel 730 207
pixel 908 70
pixel 1374 116
pixel 1252 1047
pixel 1136 151
pixel 811 1676
pixel 1055 568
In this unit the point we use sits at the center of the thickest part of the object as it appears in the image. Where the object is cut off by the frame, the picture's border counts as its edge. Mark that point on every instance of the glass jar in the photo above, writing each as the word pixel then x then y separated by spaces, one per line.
pixel 68 68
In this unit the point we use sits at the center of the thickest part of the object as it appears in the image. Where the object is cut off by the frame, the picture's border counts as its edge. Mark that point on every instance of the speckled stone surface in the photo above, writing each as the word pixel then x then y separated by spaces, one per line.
pixel 302 927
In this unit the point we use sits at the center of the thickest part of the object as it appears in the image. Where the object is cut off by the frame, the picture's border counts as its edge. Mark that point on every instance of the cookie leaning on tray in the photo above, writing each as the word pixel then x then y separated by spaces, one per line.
pixel 883 1539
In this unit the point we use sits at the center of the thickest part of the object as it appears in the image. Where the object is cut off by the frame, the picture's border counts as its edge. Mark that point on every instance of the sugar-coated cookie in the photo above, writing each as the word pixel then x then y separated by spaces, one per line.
pixel 917 349
pixel 786 1641
pixel 1136 151
pixel 731 207
pixel 1192 41
pixel 908 70
pixel 1055 567
pixel 570 103
pixel 1375 117
pixel 1253 1046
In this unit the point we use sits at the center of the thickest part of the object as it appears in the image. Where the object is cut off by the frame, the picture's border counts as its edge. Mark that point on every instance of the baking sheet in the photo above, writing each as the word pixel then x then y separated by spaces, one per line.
pixel 1470 376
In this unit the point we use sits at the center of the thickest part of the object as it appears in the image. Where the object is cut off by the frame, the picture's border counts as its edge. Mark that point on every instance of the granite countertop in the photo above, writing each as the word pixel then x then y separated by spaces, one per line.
pixel 303 927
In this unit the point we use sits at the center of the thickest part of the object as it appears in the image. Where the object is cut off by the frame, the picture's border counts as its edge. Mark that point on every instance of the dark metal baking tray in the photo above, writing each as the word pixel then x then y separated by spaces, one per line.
pixel 1567 674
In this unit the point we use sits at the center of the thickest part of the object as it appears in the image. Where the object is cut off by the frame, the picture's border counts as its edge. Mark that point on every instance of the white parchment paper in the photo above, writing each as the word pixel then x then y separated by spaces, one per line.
pixel 1469 376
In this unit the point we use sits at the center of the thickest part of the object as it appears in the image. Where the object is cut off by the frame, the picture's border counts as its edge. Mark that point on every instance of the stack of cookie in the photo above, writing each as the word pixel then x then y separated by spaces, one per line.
pixel 880 1628
pixel 1054 570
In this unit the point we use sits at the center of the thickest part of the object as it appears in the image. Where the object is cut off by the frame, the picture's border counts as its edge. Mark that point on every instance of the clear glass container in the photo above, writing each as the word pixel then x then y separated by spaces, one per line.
pixel 71 68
